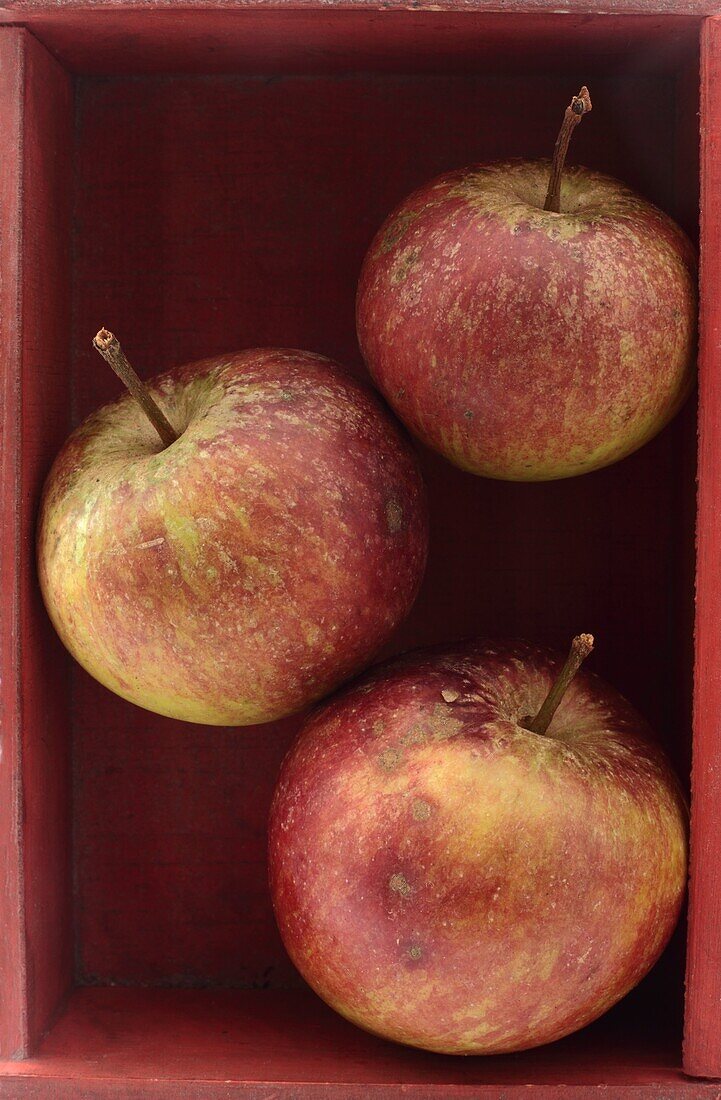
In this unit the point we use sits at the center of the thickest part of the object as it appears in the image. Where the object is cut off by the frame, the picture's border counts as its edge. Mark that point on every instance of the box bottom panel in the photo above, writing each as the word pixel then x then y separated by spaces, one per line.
pixel 135 1043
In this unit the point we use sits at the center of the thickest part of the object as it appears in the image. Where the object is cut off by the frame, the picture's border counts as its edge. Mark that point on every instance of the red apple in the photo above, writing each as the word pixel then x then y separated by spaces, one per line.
pixel 254 562
pixel 525 343
pixel 447 877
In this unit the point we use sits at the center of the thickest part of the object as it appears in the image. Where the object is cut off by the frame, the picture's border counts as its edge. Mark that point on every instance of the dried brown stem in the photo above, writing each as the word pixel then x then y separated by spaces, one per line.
pixel 112 353
pixel 581 646
pixel 579 106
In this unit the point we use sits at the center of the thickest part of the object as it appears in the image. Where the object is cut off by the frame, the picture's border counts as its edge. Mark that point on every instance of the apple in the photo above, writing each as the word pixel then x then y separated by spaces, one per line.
pixel 451 873
pixel 526 339
pixel 236 541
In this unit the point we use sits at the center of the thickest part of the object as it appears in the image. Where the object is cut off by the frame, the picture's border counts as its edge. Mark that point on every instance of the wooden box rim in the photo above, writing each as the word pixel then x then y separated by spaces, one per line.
pixel 702 1049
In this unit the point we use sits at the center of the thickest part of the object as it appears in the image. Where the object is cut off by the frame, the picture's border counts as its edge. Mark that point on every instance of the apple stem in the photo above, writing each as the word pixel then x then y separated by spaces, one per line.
pixel 111 351
pixel 581 646
pixel 579 106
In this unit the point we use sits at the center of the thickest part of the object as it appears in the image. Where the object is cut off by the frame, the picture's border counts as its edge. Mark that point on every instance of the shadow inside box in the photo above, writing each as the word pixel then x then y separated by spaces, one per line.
pixel 291 1035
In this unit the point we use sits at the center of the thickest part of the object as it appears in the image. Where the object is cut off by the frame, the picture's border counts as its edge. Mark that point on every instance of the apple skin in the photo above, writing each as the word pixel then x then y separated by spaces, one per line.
pixel 520 343
pixel 446 879
pixel 261 559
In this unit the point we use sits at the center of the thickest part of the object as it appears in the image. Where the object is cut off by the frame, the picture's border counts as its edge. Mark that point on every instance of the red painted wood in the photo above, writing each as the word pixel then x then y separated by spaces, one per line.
pixel 13 1023
pixel 22 9
pixel 35 339
pixel 212 213
pixel 335 38
pixel 47 179
pixel 37 1088
pixel 270 1043
pixel 702 1047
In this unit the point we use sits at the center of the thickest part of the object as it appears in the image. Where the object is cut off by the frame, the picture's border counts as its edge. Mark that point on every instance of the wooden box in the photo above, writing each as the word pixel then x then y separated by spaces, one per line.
pixel 206 177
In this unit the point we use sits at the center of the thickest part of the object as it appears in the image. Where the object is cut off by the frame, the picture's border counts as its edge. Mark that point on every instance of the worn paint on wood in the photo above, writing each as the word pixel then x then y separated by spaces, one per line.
pixel 702 1047
pixel 35 313
pixel 13 1023
pixel 341 38
pixel 197 1044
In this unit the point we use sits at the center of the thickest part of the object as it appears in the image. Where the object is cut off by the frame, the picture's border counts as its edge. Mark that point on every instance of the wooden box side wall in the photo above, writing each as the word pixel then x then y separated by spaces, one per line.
pixel 702 1045
pixel 35 902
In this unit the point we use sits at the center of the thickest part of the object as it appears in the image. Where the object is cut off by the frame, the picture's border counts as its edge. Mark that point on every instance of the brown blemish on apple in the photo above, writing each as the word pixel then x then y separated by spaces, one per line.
pixel 443 725
pixel 415 736
pixel 389 759
pixel 450 695
pixel 415 951
pixel 394 516
pixel 420 809
pixel 404 264
pixel 399 885
pixel 396 229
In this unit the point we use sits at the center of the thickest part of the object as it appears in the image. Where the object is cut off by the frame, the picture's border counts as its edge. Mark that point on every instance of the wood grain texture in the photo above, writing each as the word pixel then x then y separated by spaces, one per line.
pixel 338 39
pixel 189 1043
pixel 24 9
pixel 56 1088
pixel 13 1015
pixel 47 182
pixel 702 1046
pixel 35 410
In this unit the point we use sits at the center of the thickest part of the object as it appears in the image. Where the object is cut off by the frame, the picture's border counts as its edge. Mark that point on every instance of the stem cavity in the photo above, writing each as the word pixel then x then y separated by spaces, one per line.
pixel 112 353
pixel 579 106
pixel 581 646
